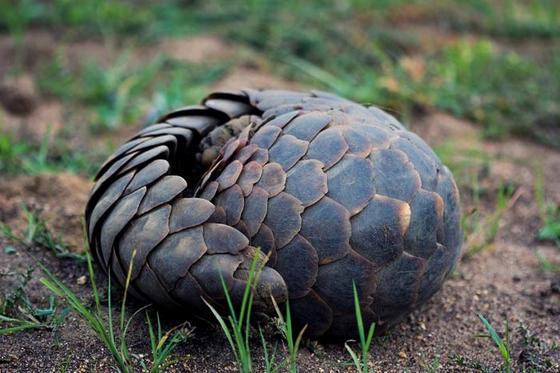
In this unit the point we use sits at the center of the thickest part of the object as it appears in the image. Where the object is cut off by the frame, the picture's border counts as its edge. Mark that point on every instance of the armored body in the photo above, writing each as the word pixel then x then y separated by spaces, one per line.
pixel 331 192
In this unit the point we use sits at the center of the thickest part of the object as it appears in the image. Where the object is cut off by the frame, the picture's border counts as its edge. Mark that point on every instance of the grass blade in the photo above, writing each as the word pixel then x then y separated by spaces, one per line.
pixel 503 348
pixel 365 340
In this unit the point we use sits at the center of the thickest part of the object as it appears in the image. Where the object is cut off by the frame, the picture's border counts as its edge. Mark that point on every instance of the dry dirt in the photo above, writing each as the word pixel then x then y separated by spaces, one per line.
pixel 502 282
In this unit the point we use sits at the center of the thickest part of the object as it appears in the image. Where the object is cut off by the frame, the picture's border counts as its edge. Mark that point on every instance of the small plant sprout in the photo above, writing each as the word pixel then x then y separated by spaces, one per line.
pixel 269 357
pixel 17 311
pixel 503 346
pixel 93 318
pixel 482 230
pixel 236 327
pixel 163 344
pixel 365 340
pixel 287 330
pixel 433 366
pixel 549 212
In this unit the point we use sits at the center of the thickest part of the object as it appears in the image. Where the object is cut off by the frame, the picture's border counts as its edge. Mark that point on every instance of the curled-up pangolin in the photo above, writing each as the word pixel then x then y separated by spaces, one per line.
pixel 332 192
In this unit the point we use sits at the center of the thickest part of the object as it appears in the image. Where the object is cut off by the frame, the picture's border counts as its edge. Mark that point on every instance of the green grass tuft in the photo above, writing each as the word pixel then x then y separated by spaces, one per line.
pixel 112 337
pixel 19 313
pixel 269 356
pixel 481 229
pixel 361 362
pixel 163 344
pixel 502 345
pixel 37 233
pixel 236 327
pixel 549 212
pixel 287 330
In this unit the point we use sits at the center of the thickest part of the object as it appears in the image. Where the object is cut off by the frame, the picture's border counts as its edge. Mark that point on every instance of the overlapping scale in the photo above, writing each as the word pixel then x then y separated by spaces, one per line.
pixel 189 212
pixel 398 283
pixel 117 220
pixel 306 126
pixel 266 136
pixel 251 173
pixel 175 255
pixel 283 217
pixel 166 189
pixel 273 179
pixel 307 182
pixel 233 202
pixel 298 264
pixel 395 175
pixel 287 151
pixel 326 225
pixel 223 239
pixel 351 183
pixel 148 175
pixel 328 147
pixel 425 221
pixel 256 205
pixel 229 175
pixel 141 236
pixel 335 281
pixel 378 230
pixel 108 199
pixel 210 270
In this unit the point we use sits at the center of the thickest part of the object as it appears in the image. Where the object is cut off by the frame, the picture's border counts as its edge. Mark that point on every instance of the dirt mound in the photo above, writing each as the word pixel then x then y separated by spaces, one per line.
pixel 18 96
pixel 57 198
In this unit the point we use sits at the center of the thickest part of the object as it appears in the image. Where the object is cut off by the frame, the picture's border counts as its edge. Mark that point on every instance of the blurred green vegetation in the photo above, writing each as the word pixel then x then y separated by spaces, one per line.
pixel 124 92
pixel 493 62
pixel 149 18
pixel 549 212
pixel 501 90
pixel 20 156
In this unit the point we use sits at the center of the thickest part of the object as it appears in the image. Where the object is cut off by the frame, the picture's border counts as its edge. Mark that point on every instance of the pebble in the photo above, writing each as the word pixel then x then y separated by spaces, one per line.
pixel 81 280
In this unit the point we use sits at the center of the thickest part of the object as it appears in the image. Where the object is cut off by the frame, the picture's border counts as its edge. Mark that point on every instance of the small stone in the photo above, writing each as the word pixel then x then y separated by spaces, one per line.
pixel 403 355
pixel 81 280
